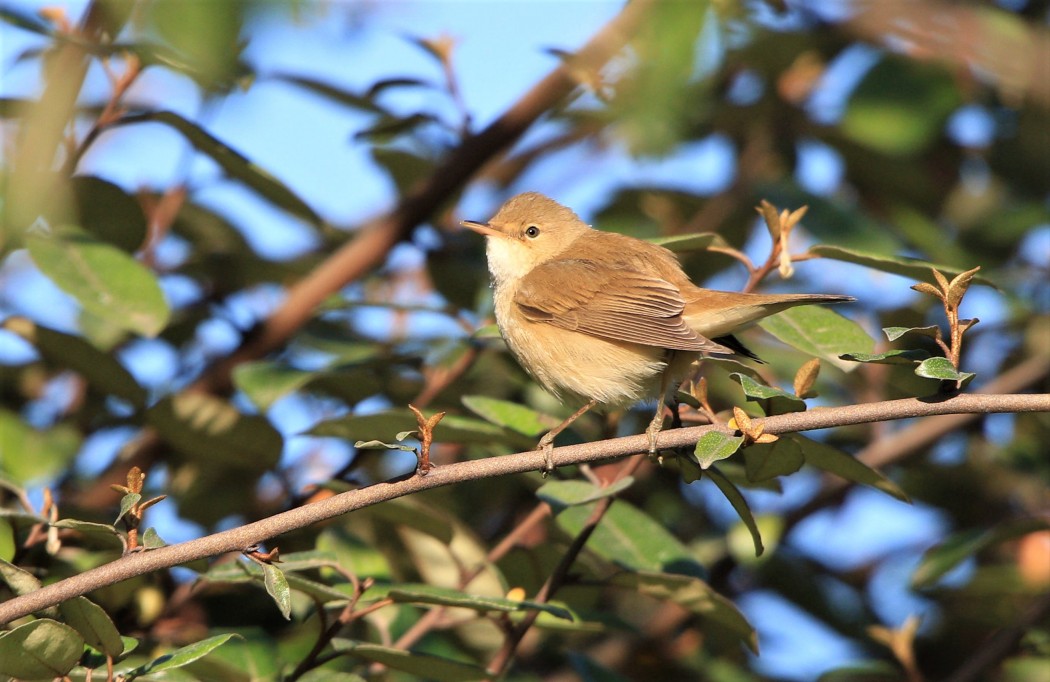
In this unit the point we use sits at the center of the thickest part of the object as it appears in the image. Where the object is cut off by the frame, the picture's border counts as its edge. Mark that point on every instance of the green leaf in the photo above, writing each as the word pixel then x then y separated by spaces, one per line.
pixel 714 446
pixel 943 369
pixel 266 382
pixel 912 268
pixel 524 420
pixel 773 400
pixel 423 666
pixel 25 19
pixel 835 461
pixel 93 624
pixel 764 461
pixel 942 558
pixel 865 671
pixel 106 281
pixel 444 596
pixel 561 494
pixel 18 579
pixel 630 538
pixel 41 649
pixel 894 333
pixel 126 503
pixel 820 332
pixel 452 429
pixel 151 539
pixel 893 357
pixel 235 164
pixel 900 107
pixel 332 92
pixel 694 595
pixel 31 455
pixel 740 505
pixel 390 127
pixel 210 430
pixel 106 211
pixel 101 370
pixel 181 657
pixel 380 445
pixel 8 546
pixel 684 243
pixel 277 587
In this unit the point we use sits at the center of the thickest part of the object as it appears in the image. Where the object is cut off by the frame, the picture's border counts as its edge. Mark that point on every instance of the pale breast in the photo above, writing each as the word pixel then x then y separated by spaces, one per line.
pixel 576 365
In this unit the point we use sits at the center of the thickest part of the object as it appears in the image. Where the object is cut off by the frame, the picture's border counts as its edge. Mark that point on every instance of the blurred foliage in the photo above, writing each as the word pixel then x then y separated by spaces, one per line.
pixel 422 588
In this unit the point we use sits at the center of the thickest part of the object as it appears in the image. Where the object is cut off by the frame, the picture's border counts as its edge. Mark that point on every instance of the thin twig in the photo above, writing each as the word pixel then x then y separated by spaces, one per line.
pixel 236 539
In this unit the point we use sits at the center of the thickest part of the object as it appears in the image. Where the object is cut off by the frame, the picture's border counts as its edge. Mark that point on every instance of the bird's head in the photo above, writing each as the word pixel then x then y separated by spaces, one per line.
pixel 527 231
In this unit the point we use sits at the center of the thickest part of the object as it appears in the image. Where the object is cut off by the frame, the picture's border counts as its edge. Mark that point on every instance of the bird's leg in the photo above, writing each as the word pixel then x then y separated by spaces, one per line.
pixel 546 443
pixel 657 424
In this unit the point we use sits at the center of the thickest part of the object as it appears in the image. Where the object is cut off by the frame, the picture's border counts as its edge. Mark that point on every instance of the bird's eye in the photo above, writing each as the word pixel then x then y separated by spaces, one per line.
pixel 532 232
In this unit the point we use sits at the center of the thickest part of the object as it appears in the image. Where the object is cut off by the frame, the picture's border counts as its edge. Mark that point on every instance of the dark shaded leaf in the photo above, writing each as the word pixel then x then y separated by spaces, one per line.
pixel 101 370
pixel 942 558
pixel 444 596
pixel 912 268
pixel 695 595
pixel 739 504
pixel 424 666
pixel 235 164
pixel 684 243
pixel 835 461
pixel 764 461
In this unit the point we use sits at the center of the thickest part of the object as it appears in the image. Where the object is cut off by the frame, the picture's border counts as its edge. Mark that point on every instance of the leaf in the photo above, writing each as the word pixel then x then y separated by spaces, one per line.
pixel 893 357
pixel 631 539
pixel 106 281
pixel 18 579
pixel 695 595
pixel 380 445
pixel 235 164
pixel 835 461
pixel 277 587
pixel 423 666
pixel 516 417
pixel 765 461
pixel 40 649
pixel 714 446
pixel 805 378
pixel 181 657
pixel 93 624
pixel 333 92
pixel 942 558
pixel 819 332
pixel 561 494
pixel 894 333
pixel 736 498
pixel 25 20
pixel 102 371
pixel 912 268
pixel 151 539
pixel 32 455
pixel 266 382
pixel 108 212
pixel 684 243
pixel 207 429
pixel 390 127
pixel 943 369
pixel 773 400
pixel 126 504
pixel 444 596
pixel 452 429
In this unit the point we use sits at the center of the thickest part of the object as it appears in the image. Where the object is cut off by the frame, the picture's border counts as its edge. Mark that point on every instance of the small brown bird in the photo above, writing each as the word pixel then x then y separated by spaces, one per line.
pixel 606 318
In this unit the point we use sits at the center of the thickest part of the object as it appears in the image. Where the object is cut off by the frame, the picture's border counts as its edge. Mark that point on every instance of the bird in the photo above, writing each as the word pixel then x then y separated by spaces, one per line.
pixel 602 318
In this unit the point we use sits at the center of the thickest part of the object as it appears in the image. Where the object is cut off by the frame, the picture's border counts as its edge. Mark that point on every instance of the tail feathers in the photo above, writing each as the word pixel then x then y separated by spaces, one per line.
pixel 733 343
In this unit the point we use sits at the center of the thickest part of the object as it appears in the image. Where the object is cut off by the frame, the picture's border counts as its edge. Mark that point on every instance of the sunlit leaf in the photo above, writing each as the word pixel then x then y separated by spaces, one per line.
pixel 943 369
pixel 515 416
pixel 93 624
pixel 42 649
pixel 277 587
pixel 106 281
pixel 560 494
pixel 820 332
pixel 714 446
pixel 684 243
pixel 443 596
pixel 892 357
pixel 181 657
pixel 32 455
pixel 773 400
pixel 912 268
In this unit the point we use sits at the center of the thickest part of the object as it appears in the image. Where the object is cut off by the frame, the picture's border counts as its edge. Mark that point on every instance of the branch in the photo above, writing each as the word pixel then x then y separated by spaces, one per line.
pixel 236 539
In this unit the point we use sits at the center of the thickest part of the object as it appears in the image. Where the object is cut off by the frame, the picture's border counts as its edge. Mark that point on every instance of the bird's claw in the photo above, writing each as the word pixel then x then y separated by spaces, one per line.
pixel 546 446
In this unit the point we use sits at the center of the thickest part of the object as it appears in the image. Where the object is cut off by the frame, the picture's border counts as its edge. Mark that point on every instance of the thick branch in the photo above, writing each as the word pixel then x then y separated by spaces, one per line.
pixel 260 531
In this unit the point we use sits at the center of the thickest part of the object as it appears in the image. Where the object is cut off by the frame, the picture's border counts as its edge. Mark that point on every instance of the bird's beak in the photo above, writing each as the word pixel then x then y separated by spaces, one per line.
pixel 486 229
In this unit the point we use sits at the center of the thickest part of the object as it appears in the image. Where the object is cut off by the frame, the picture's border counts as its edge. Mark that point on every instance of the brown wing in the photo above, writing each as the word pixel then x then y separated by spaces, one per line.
pixel 622 305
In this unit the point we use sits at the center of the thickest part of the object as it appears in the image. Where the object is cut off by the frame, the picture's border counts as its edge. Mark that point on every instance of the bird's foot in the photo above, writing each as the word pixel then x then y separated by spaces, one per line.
pixel 546 446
